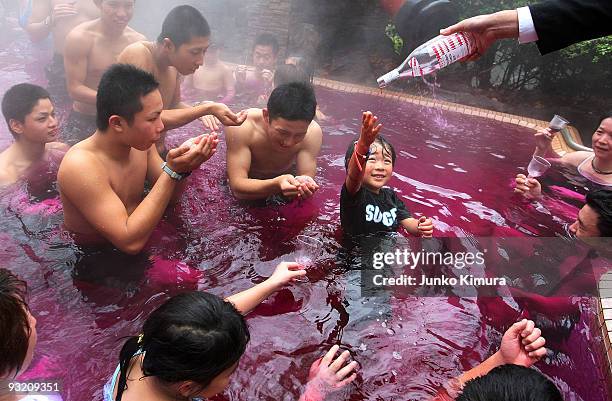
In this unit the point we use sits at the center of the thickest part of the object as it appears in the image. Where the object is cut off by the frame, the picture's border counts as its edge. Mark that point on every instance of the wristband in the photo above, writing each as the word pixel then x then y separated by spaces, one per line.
pixel 173 174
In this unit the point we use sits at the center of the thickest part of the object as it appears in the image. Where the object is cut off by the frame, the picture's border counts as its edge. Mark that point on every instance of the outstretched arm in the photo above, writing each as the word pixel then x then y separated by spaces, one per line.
pixel 178 117
pixel 356 167
pixel 285 273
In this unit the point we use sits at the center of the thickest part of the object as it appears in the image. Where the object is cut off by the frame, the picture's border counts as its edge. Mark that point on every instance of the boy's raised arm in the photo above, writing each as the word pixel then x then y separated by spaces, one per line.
pixel 355 172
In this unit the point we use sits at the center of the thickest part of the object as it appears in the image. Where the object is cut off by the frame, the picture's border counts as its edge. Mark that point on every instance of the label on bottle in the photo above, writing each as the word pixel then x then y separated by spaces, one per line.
pixel 449 49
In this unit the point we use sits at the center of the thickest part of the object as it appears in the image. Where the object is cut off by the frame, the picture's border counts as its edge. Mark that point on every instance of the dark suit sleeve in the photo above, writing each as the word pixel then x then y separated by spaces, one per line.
pixel 560 23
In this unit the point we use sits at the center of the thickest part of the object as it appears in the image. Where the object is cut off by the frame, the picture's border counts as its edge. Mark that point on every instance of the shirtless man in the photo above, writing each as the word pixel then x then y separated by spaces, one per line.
pixel 30 116
pixel 274 151
pixel 596 166
pixel 179 50
pixel 40 18
pixel 214 79
pixel 256 83
pixel 91 48
pixel 101 179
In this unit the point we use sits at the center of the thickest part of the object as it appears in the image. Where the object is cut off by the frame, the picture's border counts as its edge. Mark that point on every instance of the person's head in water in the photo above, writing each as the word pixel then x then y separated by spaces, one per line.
pixel 116 13
pixel 18 335
pixel 30 114
pixel 288 73
pixel 510 383
pixel 129 104
pixel 192 344
pixel 265 52
pixel 379 165
pixel 595 217
pixel 184 38
pixel 291 108
pixel 211 58
pixel 602 139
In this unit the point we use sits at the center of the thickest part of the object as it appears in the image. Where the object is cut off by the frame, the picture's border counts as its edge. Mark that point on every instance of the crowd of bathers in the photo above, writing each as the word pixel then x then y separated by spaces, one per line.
pixel 125 95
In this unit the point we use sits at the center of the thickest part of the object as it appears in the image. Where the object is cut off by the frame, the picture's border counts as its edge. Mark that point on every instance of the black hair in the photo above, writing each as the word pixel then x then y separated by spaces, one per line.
pixel 293 101
pixel 267 39
pixel 386 146
pixel 20 100
pixel 182 24
pixel 14 322
pixel 194 336
pixel 606 115
pixel 601 202
pixel 511 383
pixel 287 73
pixel 120 93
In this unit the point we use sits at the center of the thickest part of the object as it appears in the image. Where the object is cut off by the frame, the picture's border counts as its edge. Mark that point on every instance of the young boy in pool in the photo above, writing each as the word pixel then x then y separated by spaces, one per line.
pixel 30 117
pixel 192 344
pixel 365 206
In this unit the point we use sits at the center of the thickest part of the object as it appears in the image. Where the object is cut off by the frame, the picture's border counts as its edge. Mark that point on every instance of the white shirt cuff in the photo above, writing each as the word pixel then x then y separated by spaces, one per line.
pixel 527 31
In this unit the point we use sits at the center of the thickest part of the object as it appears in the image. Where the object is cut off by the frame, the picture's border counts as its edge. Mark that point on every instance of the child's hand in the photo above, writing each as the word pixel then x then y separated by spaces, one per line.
pixel 285 273
pixel 328 374
pixel 369 129
pixel 425 227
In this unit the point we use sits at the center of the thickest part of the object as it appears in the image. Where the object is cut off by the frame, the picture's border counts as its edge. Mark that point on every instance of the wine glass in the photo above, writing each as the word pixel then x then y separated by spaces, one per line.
pixel 537 167
pixel 558 123
pixel 308 249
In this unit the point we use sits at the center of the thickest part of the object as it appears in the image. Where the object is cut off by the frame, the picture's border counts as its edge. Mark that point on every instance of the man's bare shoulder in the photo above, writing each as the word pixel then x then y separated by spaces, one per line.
pixel 139 54
pixel 73 163
pixel 82 36
pixel 247 131
pixel 133 36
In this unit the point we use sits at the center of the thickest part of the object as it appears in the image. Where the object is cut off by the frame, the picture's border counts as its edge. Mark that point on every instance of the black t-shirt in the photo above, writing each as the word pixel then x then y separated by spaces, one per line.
pixel 367 212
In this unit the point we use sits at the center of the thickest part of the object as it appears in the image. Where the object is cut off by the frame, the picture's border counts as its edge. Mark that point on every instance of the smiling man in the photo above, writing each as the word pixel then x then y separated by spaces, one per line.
pixel 101 179
pixel 90 49
pixel 274 152
pixel 179 51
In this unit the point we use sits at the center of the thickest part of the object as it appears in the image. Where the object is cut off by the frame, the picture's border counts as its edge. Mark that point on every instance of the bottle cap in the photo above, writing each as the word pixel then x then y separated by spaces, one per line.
pixel 386 79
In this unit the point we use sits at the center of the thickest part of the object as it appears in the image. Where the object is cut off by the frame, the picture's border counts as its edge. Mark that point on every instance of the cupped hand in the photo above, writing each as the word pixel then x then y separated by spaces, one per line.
pixel 289 186
pixel 227 117
pixel 210 122
pixel 187 157
pixel 62 11
pixel 307 186
pixel 267 75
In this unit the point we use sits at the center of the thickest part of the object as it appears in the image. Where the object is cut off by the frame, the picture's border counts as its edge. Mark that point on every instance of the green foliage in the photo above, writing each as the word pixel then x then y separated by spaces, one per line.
pixel 398 42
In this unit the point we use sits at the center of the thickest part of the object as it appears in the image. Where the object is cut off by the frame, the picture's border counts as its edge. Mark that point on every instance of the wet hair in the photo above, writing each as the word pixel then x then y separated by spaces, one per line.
pixel 295 101
pixel 20 100
pixel 16 330
pixel 267 39
pixel 386 146
pixel 601 202
pixel 511 383
pixel 120 93
pixel 287 73
pixel 182 24
pixel 194 336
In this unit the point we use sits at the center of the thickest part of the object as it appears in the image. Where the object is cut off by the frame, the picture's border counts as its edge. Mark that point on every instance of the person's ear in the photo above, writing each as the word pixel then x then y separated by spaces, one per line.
pixel 16 126
pixel 116 123
pixel 168 45
pixel 266 115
